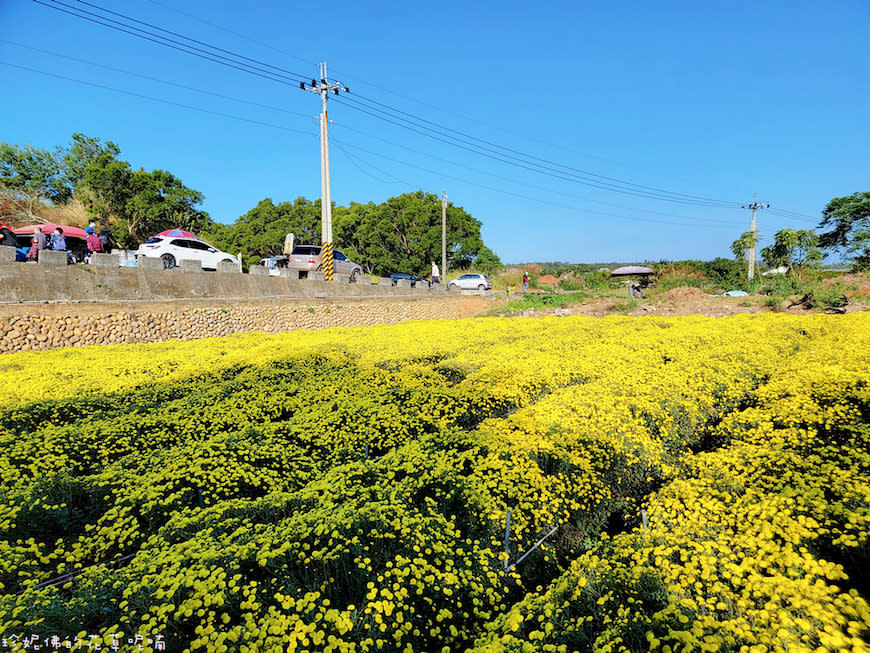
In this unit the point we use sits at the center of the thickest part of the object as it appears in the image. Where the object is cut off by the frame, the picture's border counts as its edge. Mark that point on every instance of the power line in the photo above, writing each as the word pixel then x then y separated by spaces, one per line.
pixel 157 79
pixel 516 181
pixel 376 109
pixel 564 176
pixel 175 45
pixel 154 99
pixel 725 203
pixel 560 172
pixel 527 197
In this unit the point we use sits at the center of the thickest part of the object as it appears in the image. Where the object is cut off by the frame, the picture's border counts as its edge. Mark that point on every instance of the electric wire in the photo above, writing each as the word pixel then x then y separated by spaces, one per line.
pixel 181 47
pixel 511 160
pixel 357 96
pixel 155 99
pixel 538 170
pixel 538 200
pixel 343 127
pixel 157 79
pixel 386 113
pixel 391 114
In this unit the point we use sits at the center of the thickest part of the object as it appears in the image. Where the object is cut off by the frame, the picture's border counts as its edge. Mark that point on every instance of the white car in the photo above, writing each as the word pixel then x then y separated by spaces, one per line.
pixel 471 281
pixel 173 249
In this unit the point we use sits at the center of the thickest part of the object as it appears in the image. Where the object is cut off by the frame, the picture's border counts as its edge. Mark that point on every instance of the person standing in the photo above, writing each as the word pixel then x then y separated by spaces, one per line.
pixel 525 282
pixel 436 273
pixel 94 244
pixel 58 241
pixel 106 240
pixel 39 237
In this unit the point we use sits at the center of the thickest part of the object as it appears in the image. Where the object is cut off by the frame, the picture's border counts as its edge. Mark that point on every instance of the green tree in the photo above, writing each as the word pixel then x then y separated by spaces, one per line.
pixel 487 260
pixel 404 234
pixel 138 204
pixel 794 249
pixel 83 151
pixel 31 176
pixel 260 232
pixel 848 221
pixel 747 240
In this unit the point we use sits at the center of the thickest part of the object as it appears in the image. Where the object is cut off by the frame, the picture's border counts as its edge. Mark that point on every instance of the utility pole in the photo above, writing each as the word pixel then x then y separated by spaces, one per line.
pixel 754 206
pixel 323 89
pixel 444 237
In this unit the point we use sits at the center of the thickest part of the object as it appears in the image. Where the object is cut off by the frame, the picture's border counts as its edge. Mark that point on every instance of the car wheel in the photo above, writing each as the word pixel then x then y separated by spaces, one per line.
pixel 355 275
pixel 481 287
pixel 168 261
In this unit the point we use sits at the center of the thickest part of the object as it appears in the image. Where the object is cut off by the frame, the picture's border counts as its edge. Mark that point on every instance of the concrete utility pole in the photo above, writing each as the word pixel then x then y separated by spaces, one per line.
pixel 323 89
pixel 444 237
pixel 754 206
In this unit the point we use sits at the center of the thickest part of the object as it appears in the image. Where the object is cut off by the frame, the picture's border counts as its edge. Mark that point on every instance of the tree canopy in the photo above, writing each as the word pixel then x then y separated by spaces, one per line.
pixel 401 234
pixel 795 249
pixel 848 221
pixel 260 232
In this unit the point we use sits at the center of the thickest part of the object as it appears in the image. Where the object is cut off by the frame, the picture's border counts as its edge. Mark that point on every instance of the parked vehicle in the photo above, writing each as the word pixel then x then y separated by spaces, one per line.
pixel 175 249
pixel 306 258
pixel 471 281
pixel 395 276
pixel 274 264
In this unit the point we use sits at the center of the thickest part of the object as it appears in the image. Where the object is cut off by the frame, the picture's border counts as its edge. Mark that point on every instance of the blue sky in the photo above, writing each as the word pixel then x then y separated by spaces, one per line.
pixel 712 100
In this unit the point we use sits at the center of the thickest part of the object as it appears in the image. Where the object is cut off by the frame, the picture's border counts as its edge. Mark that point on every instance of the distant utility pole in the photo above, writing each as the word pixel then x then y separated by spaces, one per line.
pixel 754 206
pixel 324 88
pixel 444 236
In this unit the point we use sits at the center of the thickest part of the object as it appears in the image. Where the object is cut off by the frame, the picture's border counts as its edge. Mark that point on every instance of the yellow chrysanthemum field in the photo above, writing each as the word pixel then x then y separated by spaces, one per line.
pixel 694 484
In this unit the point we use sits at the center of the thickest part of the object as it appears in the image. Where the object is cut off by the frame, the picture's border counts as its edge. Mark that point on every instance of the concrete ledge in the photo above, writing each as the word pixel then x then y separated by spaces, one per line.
pixel 149 263
pixel 51 257
pixel 454 289
pixel 187 266
pixel 316 276
pixel 227 266
pixel 363 280
pixel 7 255
pixel 258 271
pixel 288 274
pixel 403 283
pixel 106 260
pixel 384 281
pixel 341 278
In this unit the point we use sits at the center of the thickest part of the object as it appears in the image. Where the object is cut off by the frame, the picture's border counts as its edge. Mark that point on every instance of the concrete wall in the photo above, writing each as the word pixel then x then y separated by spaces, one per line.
pixel 53 280
pixel 38 327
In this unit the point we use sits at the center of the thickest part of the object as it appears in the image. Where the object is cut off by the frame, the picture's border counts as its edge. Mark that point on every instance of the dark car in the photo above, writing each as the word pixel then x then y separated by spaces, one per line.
pixel 395 276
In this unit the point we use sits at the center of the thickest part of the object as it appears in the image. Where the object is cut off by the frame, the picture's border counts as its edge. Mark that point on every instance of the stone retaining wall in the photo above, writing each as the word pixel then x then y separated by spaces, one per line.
pixel 27 328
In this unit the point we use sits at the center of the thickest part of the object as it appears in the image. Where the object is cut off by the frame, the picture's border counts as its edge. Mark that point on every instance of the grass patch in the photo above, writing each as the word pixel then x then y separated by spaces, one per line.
pixel 536 301
pixel 624 306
